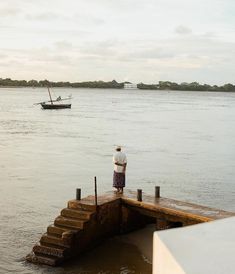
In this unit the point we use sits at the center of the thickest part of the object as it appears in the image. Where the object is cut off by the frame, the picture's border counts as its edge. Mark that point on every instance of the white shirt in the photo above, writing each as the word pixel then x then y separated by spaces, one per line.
pixel 119 157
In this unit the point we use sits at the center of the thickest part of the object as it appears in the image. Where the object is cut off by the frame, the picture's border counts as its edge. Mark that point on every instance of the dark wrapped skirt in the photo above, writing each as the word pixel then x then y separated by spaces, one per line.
pixel 118 179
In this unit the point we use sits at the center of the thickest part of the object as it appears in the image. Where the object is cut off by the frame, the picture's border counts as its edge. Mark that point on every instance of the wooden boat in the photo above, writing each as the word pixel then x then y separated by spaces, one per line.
pixel 55 104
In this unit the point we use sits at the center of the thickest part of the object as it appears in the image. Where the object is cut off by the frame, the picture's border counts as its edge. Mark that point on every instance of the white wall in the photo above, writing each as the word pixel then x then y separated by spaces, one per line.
pixel 207 248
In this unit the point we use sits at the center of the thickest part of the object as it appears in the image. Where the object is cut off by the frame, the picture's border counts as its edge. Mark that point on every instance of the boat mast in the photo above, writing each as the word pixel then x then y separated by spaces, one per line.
pixel 50 95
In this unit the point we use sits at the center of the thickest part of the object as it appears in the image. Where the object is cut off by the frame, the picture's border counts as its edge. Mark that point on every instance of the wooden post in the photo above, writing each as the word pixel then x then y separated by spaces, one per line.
pixel 157 191
pixel 139 195
pixel 78 194
pixel 96 203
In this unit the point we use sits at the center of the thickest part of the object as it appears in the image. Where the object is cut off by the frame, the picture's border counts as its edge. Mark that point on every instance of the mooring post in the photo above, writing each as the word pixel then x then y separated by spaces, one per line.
pixel 78 194
pixel 157 191
pixel 96 203
pixel 139 195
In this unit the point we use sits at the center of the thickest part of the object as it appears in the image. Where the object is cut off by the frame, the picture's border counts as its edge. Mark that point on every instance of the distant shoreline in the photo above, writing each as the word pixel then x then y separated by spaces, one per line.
pixel 167 90
pixel 162 85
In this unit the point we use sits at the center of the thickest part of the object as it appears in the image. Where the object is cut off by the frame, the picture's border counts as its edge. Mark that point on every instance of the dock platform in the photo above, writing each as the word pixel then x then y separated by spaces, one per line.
pixel 86 223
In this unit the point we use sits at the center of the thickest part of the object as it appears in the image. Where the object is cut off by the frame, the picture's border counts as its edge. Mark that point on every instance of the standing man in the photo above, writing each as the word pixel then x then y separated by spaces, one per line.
pixel 119 174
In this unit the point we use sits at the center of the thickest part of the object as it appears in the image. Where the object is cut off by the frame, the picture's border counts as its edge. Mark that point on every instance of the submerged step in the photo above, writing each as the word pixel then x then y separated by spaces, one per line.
pixel 76 213
pixel 57 251
pixel 43 259
pixel 70 223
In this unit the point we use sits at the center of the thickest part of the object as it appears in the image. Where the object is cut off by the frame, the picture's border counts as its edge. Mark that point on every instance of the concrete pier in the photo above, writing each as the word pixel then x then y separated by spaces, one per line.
pixel 206 248
pixel 82 225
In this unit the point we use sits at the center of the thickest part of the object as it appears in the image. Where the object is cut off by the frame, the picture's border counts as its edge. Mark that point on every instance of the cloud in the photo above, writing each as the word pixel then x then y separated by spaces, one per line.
pixel 86 18
pixel 48 16
pixel 3 56
pixel 152 53
pixel 9 12
pixel 183 58
pixel 103 49
pixel 121 5
pixel 63 45
pixel 119 38
pixel 183 30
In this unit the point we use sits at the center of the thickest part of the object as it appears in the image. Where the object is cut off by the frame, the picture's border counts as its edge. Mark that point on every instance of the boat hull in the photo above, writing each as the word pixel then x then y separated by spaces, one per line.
pixel 55 106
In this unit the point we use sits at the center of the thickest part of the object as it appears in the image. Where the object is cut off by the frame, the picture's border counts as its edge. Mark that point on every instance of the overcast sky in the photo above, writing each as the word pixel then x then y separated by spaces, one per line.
pixel 134 40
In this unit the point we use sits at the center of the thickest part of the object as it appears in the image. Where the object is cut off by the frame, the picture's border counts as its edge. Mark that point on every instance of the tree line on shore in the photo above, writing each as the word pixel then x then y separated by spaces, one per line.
pixel 162 85
pixel 8 82
pixel 194 86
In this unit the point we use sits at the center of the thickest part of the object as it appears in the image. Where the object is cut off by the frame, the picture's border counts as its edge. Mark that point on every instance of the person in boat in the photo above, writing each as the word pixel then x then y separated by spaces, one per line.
pixel 119 174
pixel 59 98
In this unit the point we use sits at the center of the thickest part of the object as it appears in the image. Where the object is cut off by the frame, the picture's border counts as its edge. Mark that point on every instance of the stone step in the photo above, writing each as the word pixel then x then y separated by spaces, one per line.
pixel 51 245
pixel 43 259
pixel 55 251
pixel 76 213
pixel 74 204
pixel 69 222
pixel 59 230
pixel 49 239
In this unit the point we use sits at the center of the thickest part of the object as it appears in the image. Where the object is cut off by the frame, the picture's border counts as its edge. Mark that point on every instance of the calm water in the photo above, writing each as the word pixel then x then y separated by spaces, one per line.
pixel 182 141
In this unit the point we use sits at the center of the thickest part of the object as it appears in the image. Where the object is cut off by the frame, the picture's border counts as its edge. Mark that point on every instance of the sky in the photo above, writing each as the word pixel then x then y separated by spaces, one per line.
pixel 126 40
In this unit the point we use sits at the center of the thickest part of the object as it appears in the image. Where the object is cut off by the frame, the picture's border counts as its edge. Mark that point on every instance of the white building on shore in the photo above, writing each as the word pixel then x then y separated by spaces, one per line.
pixel 130 86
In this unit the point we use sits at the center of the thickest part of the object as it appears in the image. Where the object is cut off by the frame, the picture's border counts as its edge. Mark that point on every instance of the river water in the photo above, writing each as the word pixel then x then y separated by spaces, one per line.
pixel 182 141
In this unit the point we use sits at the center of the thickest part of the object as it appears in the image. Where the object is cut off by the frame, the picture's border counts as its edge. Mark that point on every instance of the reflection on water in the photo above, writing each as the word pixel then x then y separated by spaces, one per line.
pixel 109 258
pixel 182 141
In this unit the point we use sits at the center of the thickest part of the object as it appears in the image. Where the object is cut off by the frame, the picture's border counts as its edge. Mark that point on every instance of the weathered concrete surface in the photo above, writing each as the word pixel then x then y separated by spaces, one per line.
pixel 174 208
pixel 80 226
pixel 200 249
